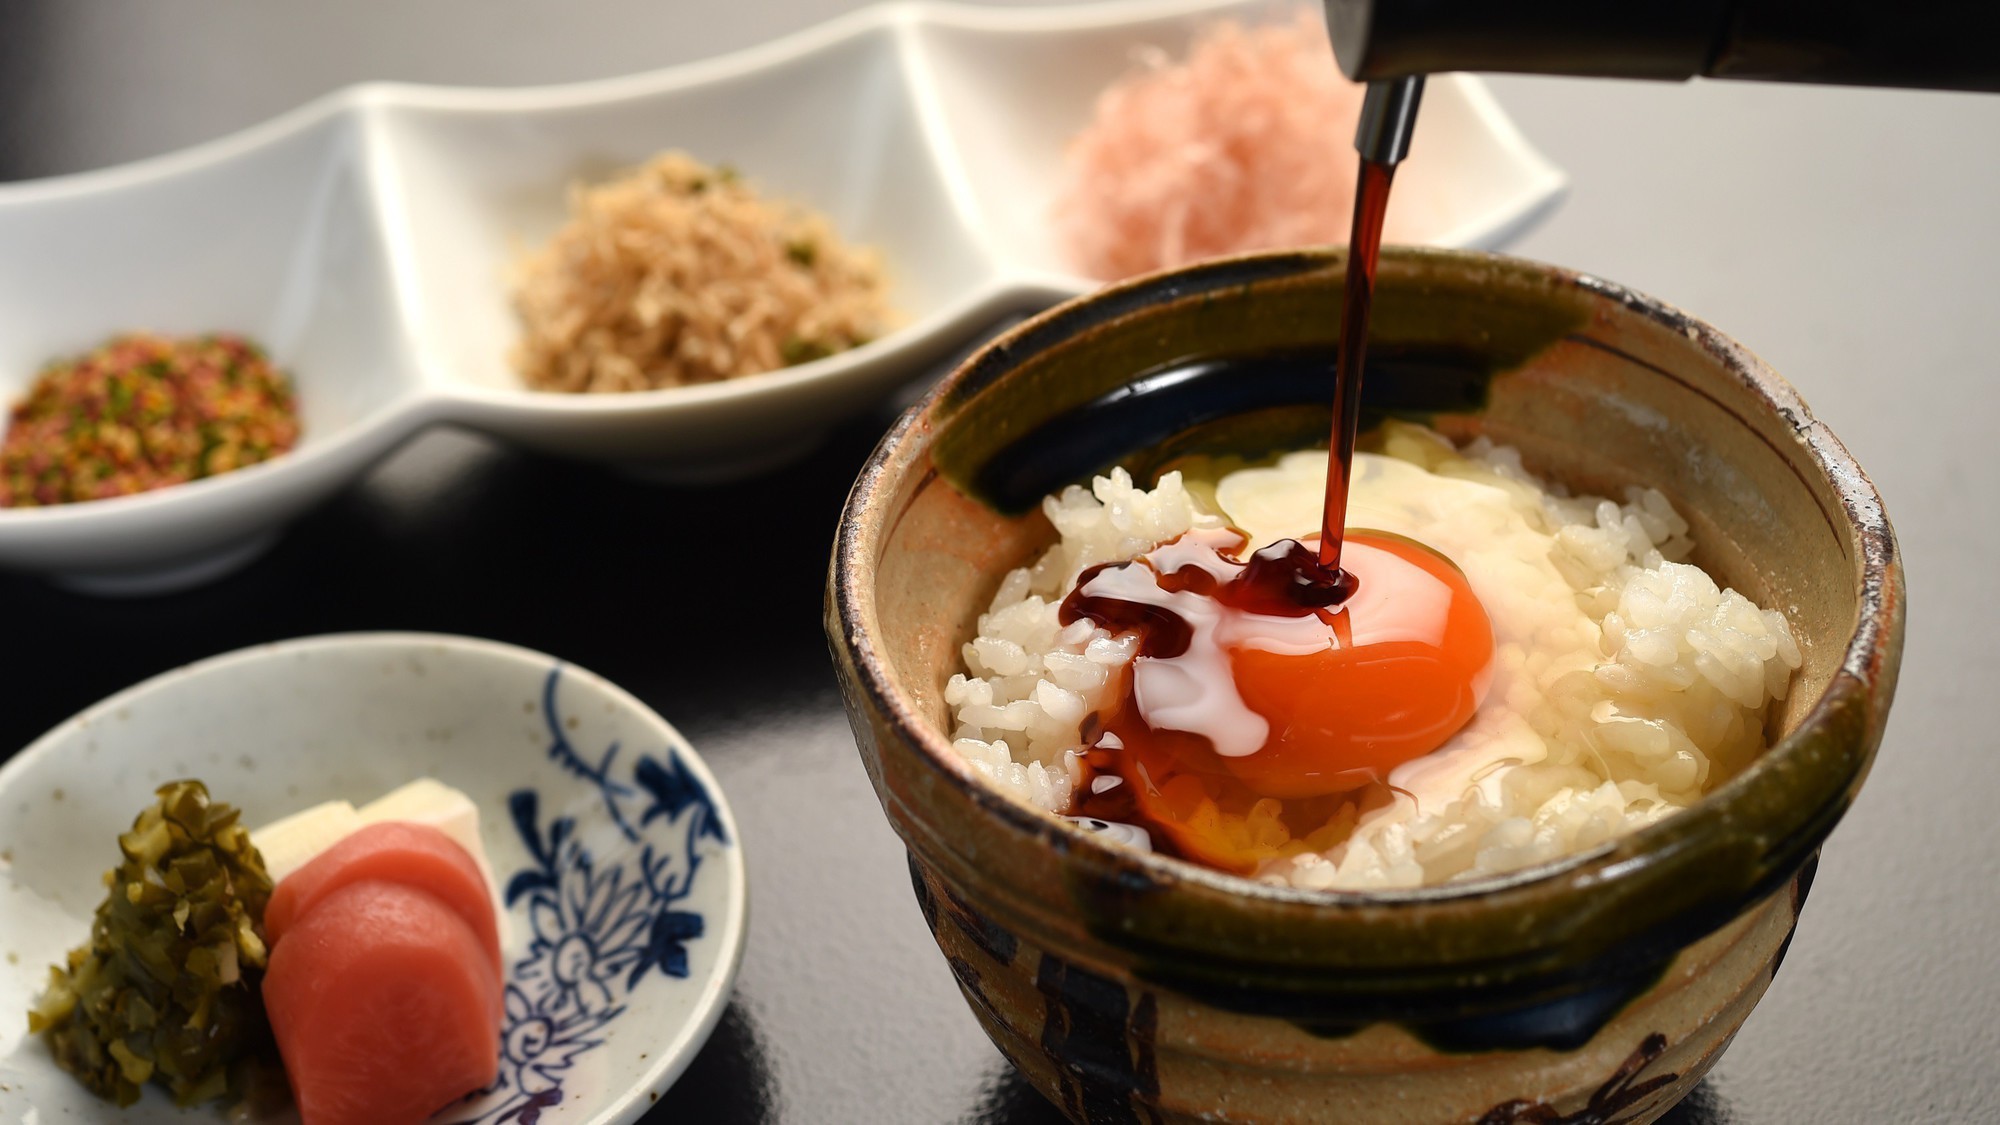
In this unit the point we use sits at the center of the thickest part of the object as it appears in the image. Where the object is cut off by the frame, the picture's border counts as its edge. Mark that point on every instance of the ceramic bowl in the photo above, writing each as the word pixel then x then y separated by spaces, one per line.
pixel 1130 986
pixel 620 858
pixel 365 239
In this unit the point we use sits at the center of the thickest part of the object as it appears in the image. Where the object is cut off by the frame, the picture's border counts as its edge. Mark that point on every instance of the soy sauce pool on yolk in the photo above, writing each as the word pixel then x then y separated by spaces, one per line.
pixel 1252 713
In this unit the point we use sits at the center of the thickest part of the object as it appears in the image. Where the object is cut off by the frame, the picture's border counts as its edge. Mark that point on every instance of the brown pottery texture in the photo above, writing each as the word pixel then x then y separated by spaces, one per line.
pixel 1133 987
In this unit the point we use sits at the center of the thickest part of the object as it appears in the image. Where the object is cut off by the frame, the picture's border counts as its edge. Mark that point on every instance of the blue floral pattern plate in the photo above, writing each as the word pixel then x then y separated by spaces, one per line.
pixel 618 859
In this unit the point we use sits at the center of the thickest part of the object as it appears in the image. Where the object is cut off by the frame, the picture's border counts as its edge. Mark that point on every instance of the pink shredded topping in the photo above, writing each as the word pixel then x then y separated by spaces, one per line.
pixel 1248 145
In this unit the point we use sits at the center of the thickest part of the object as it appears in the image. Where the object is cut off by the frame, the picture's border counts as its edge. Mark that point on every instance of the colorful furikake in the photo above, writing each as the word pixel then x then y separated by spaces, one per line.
pixel 142 412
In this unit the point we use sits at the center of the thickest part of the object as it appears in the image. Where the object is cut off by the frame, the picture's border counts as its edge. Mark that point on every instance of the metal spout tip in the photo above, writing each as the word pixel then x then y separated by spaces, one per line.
pixel 1388 118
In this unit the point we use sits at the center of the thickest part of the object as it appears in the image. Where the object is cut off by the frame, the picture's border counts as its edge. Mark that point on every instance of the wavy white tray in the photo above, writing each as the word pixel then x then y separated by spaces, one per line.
pixel 364 238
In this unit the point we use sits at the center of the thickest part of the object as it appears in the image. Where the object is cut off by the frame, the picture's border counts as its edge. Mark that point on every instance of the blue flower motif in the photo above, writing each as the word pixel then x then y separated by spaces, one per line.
pixel 587 934
pixel 537 1048
pixel 595 932
pixel 672 929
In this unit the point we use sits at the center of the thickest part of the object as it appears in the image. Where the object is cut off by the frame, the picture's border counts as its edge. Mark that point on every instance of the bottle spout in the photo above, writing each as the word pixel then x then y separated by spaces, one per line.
pixel 1664 39
pixel 1921 44
pixel 1388 118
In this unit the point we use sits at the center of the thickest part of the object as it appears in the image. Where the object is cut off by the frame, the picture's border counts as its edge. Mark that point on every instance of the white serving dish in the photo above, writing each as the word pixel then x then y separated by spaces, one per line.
pixel 650 861
pixel 365 238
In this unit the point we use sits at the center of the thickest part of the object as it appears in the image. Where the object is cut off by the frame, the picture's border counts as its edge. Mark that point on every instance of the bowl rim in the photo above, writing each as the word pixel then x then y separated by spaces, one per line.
pixel 1867 666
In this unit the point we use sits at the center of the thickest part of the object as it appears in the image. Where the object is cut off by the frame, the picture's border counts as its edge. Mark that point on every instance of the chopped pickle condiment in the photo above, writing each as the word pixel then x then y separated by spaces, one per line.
pixel 143 412
pixel 167 988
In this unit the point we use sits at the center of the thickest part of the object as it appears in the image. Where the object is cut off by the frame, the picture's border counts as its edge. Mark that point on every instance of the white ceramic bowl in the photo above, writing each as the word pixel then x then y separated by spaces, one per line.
pixel 621 859
pixel 365 240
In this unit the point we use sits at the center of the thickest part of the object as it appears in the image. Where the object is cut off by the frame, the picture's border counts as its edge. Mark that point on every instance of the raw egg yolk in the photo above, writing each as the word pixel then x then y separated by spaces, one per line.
pixel 1250 722
pixel 1406 664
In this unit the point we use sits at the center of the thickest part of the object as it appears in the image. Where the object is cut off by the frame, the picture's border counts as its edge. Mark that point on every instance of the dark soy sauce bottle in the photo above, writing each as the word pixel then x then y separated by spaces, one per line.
pixel 1920 44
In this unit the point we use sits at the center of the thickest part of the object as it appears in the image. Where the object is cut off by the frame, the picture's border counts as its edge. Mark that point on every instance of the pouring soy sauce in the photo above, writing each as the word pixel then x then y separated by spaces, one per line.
pixel 1284 571
pixel 1388 118
pixel 1274 688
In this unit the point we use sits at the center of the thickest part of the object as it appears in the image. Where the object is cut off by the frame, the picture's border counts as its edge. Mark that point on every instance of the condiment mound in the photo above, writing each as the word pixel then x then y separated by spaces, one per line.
pixel 350 719
pixel 166 988
pixel 142 412
pixel 1622 685
pixel 677 273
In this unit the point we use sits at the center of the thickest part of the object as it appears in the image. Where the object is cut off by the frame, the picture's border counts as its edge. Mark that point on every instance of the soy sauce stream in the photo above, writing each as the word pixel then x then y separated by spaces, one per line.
pixel 1288 571
pixel 1388 117
pixel 1284 579
pixel 1371 202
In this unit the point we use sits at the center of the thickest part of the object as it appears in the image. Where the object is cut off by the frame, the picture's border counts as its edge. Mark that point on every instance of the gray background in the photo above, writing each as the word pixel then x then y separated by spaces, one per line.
pixel 1847 236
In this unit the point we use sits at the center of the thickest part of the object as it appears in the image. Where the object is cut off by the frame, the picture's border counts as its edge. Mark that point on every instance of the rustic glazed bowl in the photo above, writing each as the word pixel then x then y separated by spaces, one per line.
pixel 1129 986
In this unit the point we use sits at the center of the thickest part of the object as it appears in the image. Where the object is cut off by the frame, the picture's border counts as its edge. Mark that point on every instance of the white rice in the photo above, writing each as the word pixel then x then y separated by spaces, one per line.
pixel 1625 683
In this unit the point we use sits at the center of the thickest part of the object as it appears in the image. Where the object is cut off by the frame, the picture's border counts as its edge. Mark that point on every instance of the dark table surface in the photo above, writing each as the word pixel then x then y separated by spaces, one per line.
pixel 1848 236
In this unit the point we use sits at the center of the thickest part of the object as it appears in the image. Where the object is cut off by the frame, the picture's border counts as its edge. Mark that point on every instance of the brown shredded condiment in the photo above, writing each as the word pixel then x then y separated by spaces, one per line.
pixel 681 273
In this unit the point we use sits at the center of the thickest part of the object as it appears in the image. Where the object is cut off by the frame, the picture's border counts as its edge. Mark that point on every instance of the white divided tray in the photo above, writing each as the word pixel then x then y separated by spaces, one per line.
pixel 365 239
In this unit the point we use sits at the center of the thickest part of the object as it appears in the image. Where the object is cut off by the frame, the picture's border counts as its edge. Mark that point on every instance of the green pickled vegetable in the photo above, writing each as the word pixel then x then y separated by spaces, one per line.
pixel 167 988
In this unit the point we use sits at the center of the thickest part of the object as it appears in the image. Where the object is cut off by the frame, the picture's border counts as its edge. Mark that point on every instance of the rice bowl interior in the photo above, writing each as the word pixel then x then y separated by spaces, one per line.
pixel 1625 682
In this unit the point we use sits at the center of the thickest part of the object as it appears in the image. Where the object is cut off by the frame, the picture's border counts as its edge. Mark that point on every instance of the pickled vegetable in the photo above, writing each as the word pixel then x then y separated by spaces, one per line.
pixel 385 1005
pixel 167 988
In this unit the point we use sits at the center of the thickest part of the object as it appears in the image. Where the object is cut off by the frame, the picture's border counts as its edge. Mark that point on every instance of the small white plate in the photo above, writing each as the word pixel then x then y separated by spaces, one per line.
pixel 365 239
pixel 620 858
